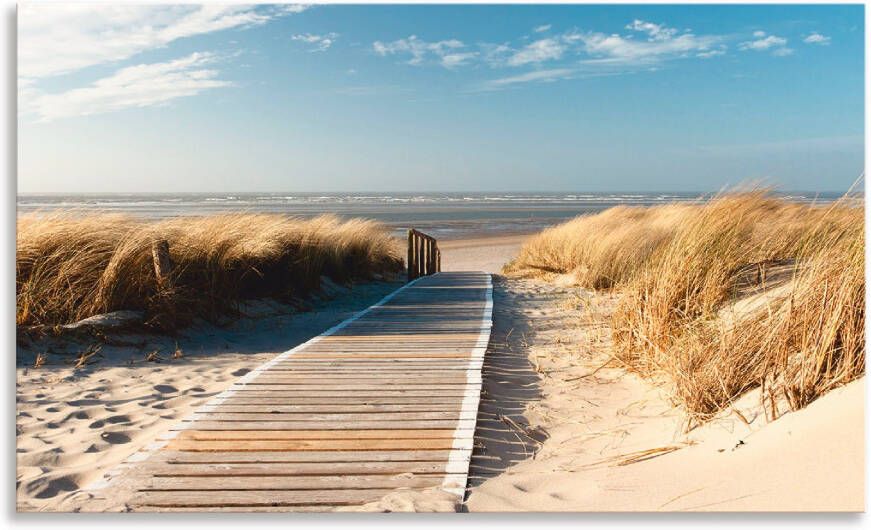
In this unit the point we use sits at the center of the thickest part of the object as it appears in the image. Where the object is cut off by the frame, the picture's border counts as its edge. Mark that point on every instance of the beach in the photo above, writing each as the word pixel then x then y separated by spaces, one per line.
pixel 591 437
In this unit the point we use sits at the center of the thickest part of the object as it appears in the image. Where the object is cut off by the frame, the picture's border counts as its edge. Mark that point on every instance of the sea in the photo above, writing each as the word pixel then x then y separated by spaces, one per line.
pixel 443 215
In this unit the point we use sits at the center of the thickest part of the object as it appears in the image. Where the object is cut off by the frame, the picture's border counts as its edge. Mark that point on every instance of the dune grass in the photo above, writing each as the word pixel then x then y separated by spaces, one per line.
pixel 678 267
pixel 71 266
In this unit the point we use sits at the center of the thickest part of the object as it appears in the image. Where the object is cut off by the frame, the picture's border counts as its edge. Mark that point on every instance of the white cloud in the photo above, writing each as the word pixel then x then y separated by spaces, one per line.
pixel 319 43
pixel 542 28
pixel 540 76
pixel 816 38
pixel 420 50
pixel 662 45
pixel 295 8
pixel 142 85
pixel 453 60
pixel 782 52
pixel 762 42
pixel 56 38
pixel 538 52
pixel 712 53
pixel 655 32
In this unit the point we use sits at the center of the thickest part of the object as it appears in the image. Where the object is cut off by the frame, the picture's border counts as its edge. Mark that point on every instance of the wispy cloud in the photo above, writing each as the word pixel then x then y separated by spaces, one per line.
pixel 445 52
pixel 540 76
pixel 643 45
pixel 538 52
pixel 453 60
pixel 817 38
pixel 764 42
pixel 320 43
pixel 143 85
pixel 656 32
pixel 662 43
pixel 59 38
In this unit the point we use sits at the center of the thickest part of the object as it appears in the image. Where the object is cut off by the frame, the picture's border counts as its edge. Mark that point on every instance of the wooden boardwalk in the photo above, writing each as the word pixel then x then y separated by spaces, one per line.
pixel 385 400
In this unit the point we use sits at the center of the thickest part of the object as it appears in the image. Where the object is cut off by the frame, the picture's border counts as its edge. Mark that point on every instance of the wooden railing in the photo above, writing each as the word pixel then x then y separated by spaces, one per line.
pixel 424 256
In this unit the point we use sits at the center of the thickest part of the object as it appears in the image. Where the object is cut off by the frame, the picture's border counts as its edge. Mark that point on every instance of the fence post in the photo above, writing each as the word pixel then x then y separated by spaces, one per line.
pixel 410 259
pixel 162 263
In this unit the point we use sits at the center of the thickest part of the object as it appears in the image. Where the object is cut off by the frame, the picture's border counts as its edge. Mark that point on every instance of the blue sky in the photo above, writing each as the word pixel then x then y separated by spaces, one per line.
pixel 124 98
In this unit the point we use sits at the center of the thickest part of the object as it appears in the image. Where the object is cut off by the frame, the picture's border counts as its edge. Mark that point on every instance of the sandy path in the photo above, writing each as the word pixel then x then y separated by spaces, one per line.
pixel 74 424
pixel 486 254
pixel 574 436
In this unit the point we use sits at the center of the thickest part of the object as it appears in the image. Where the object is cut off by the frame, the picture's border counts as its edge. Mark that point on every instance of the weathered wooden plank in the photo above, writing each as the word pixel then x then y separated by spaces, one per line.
pixel 397 434
pixel 398 385
pixel 305 400
pixel 309 445
pixel 349 408
pixel 359 380
pixel 273 469
pixel 320 425
pixel 281 391
pixel 208 499
pixel 241 457
pixel 285 483
pixel 329 416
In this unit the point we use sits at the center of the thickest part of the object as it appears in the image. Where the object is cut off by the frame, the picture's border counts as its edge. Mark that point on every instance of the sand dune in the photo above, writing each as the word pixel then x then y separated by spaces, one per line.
pixel 614 442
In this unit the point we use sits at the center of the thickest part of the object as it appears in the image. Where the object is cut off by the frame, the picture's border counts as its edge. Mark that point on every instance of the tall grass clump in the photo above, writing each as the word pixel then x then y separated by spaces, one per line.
pixel 700 261
pixel 72 266
pixel 600 250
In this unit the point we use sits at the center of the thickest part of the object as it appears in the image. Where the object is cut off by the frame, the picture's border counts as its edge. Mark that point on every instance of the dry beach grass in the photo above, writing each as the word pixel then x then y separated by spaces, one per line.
pixel 71 266
pixel 680 270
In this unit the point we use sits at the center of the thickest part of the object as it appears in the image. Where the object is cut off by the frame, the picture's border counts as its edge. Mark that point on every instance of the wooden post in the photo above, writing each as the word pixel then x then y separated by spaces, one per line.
pixel 162 263
pixel 410 257
pixel 438 260
pixel 419 256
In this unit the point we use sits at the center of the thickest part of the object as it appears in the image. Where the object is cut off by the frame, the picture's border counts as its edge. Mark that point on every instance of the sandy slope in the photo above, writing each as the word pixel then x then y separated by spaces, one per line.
pixel 74 424
pixel 613 442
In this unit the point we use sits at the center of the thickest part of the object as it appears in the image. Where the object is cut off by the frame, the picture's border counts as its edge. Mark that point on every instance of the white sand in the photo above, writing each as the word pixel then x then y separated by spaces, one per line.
pixel 480 254
pixel 615 443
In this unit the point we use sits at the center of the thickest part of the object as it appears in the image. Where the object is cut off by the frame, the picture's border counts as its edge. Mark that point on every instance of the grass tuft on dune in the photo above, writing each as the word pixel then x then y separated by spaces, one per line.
pixel 71 266
pixel 719 297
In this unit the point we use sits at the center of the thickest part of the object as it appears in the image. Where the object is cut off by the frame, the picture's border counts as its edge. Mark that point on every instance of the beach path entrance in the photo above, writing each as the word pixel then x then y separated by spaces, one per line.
pixel 383 402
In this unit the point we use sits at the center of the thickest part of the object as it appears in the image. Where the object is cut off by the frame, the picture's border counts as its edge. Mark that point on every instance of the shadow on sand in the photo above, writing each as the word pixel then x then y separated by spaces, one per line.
pixel 503 437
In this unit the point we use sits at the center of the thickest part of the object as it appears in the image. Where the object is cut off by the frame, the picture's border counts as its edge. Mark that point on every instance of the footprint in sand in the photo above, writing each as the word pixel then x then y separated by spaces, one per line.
pixel 165 389
pixel 114 420
pixel 56 486
pixel 115 437
pixel 240 372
